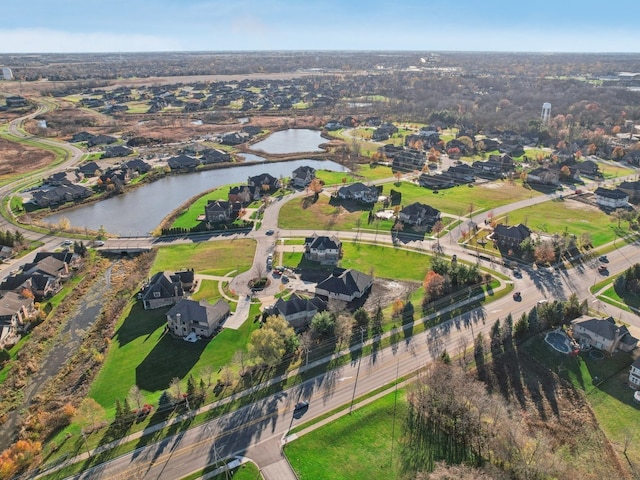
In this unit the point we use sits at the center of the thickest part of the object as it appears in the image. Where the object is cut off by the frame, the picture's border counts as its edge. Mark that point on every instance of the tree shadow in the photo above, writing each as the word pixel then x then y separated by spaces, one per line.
pixel 171 357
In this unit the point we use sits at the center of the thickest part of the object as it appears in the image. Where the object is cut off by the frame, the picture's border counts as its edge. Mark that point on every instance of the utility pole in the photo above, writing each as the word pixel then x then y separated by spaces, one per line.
pixel 358 370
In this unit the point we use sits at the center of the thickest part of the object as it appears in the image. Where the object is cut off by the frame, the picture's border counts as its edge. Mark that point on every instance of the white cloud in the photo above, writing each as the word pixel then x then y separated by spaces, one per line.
pixel 54 41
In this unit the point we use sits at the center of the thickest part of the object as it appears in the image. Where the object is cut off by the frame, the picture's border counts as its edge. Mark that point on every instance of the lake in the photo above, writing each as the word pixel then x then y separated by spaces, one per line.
pixel 293 140
pixel 141 210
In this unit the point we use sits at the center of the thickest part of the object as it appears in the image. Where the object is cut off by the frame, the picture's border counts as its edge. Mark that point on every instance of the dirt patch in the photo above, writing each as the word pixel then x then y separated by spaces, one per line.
pixel 384 292
pixel 19 157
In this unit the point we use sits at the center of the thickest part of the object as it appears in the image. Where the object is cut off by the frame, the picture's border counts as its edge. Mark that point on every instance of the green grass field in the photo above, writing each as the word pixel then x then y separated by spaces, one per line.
pixel 359 446
pixel 141 354
pixel 385 262
pixel 210 258
pixel 571 216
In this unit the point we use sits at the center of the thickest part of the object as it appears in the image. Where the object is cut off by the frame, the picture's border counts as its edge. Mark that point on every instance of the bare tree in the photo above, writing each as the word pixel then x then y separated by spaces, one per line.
pixel 135 396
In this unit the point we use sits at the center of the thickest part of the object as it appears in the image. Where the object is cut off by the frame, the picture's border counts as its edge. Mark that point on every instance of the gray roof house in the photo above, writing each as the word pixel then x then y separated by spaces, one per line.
pixel 302 176
pixel 419 214
pixel 323 249
pixel 199 318
pixel 634 374
pixel 510 236
pixel 611 198
pixel 163 289
pixel 345 285
pixel 603 334
pixel 298 311
pixel 14 309
pixel 218 211
pixel 358 191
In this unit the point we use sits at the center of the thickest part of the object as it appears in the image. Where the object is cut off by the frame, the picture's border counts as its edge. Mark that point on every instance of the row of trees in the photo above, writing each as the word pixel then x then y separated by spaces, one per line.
pixel 628 281
pixel 11 239
pixel 445 277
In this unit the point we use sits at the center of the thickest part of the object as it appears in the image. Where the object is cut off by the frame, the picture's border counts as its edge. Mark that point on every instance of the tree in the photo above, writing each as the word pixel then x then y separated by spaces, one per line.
pixel 343 329
pixel 273 341
pixel 102 233
pixel 376 321
pixel 175 388
pixel 434 285
pixel 89 414
pixel 64 224
pixel 316 186
pixel 135 396
pixel 436 229
pixel 361 317
pixel 521 328
pixel 545 252
pixel 323 324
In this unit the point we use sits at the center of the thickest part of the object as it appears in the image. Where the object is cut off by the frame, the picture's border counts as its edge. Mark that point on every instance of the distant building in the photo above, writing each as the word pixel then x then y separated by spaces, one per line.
pixel 7 74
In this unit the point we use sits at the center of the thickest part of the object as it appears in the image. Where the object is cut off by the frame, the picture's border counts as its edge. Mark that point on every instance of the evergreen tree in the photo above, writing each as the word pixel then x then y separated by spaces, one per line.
pixel 165 400
pixel 521 328
pixel 376 321
pixel 534 323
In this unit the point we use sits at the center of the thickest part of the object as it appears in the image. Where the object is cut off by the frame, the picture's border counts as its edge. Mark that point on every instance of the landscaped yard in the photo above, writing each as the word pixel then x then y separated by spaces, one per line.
pixel 569 216
pixel 455 201
pixel 361 445
pixel 142 354
pixel 210 258
pixel 385 262
pixel 189 218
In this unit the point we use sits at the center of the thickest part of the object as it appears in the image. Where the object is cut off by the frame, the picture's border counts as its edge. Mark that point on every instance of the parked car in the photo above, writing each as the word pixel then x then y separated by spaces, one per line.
pixel 517 296
pixel 603 258
pixel 602 269
pixel 300 409
pixel 269 232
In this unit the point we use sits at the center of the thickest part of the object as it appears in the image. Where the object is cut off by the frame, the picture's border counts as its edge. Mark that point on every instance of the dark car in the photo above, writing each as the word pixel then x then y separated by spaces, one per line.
pixel 603 258
pixel 517 296
pixel 300 409
pixel 269 232
pixel 602 269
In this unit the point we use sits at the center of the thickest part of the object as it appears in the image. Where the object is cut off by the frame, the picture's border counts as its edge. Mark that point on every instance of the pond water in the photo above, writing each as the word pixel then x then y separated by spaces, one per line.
pixel 141 210
pixel 250 157
pixel 293 140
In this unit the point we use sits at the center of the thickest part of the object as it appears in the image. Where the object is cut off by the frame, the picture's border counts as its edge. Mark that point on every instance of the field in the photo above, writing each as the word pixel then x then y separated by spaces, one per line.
pixel 141 354
pixel 362 445
pixel 210 258
pixel 569 216
pixel 189 217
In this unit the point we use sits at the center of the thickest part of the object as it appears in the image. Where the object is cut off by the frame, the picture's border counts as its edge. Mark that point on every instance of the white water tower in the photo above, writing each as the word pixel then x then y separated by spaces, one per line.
pixel 7 74
pixel 546 113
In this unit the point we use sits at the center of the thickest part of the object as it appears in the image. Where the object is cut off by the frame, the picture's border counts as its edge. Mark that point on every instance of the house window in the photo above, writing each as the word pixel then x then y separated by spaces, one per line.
pixel 156 294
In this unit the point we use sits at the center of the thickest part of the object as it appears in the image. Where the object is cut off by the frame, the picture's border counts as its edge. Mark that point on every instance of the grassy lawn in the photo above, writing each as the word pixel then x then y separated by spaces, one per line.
pixel 629 300
pixel 568 216
pixel 246 471
pixel 364 173
pixel 210 258
pixel 385 262
pixel 140 354
pixel 614 171
pixel 355 446
pixel 189 217
pixel 209 291
pixel 603 383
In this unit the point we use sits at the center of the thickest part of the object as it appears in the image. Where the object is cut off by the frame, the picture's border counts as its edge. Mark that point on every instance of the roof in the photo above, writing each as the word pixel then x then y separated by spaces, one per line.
pixel 48 265
pixel 418 208
pixel 615 194
pixel 606 328
pixel 165 283
pixel 516 232
pixel 201 312
pixel 11 303
pixel 346 282
pixel 322 242
pixel 296 304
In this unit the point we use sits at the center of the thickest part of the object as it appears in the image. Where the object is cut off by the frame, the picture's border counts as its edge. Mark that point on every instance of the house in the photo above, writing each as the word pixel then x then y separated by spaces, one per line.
pixel 435 182
pixel 235 138
pixel 461 173
pixel 50 266
pixel 345 285
pixel 544 176
pixel 265 182
pixel 61 178
pixel 219 211
pixel 588 168
pixel 48 197
pixel 183 162
pixel 14 310
pixel 200 318
pixel 298 311
pixel 302 176
pixel 359 192
pixel 81 137
pixel 90 169
pixel 163 289
pixel 510 236
pixel 117 151
pixel 612 199
pixel 215 155
pixel 603 334
pixel 101 140
pixel 322 249
pixel 419 214
pixel 632 189
pixel 137 165
pixel 245 194
pixel 634 374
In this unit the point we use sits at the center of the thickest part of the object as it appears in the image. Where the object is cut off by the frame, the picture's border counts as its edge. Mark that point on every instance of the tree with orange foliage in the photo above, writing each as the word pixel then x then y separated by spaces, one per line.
pixel 618 152
pixel 433 284
pixel 396 308
pixel 18 457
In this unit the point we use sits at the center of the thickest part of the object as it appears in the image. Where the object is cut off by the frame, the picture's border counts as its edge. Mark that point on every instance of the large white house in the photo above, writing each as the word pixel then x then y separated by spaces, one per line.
pixel 607 198
pixel 634 374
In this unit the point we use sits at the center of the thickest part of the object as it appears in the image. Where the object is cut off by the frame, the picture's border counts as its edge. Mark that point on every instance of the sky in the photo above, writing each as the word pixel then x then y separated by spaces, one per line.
pixel 48 26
